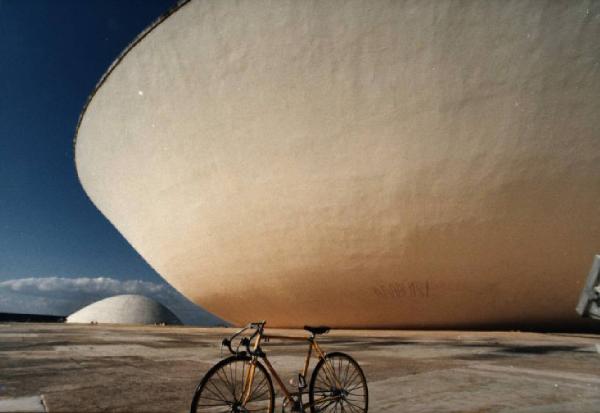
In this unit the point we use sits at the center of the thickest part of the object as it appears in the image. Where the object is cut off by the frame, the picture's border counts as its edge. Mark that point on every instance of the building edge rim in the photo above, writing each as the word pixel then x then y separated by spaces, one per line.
pixel 179 5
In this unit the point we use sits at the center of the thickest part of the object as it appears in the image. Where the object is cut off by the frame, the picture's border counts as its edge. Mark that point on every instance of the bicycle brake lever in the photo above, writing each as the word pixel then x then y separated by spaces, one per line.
pixel 227 343
pixel 246 342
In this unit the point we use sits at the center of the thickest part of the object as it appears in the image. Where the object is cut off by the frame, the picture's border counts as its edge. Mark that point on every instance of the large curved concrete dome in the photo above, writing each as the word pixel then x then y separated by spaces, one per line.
pixel 358 163
pixel 125 309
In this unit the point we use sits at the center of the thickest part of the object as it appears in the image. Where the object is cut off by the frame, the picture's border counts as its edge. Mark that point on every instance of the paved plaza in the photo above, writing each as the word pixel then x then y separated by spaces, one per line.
pixel 92 368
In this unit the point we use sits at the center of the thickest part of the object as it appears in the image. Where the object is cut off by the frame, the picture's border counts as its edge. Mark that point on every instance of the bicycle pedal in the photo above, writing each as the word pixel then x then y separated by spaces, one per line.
pixel 294 408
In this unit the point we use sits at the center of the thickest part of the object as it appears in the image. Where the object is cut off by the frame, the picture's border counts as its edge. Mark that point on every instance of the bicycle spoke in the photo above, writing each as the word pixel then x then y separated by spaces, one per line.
pixel 220 394
pixel 348 406
pixel 346 374
pixel 226 382
pixel 224 389
pixel 353 397
pixel 234 375
pixel 243 380
pixel 352 404
pixel 218 399
pixel 346 409
pixel 326 399
pixel 352 409
pixel 234 383
pixel 338 386
pixel 329 404
pixel 262 384
pixel 324 381
pixel 357 386
pixel 259 396
pixel 355 374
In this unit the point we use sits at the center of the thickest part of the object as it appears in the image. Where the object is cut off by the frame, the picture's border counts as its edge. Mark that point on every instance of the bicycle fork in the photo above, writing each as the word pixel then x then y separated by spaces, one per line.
pixel 247 391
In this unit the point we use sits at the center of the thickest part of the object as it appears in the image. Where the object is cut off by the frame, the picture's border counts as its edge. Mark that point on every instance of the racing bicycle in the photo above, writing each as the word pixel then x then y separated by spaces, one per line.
pixel 243 381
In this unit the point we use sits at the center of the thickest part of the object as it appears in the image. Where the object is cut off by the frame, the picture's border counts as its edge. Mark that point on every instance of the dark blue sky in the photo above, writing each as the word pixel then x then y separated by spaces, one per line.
pixel 52 54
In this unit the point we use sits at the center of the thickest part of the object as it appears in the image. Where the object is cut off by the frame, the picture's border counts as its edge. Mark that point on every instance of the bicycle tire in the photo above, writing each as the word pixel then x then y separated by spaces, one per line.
pixel 354 392
pixel 220 388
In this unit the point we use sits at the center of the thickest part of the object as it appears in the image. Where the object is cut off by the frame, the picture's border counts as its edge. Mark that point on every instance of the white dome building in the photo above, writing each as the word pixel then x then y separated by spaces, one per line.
pixel 125 309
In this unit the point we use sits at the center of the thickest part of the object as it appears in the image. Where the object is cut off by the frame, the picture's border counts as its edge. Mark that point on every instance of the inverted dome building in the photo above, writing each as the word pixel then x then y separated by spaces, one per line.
pixel 125 309
pixel 358 163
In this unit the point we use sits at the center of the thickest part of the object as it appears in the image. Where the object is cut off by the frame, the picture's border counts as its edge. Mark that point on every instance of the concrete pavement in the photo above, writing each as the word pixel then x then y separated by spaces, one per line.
pixel 90 368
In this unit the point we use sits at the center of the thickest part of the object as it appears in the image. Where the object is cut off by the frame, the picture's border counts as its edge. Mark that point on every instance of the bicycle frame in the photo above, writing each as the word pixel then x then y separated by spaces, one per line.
pixel 313 346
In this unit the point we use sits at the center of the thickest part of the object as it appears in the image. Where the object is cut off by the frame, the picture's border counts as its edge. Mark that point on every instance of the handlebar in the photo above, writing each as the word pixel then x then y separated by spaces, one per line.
pixel 227 343
pixel 258 327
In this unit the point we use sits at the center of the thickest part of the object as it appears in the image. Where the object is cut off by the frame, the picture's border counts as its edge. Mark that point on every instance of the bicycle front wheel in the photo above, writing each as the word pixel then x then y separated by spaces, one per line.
pixel 338 384
pixel 228 387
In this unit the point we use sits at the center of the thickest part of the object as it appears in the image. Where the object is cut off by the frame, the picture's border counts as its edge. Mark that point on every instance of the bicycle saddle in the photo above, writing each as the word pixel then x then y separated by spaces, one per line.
pixel 317 330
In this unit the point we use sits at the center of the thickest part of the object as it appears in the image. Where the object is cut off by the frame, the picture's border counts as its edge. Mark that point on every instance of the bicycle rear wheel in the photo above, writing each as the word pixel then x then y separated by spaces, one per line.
pixel 338 384
pixel 221 389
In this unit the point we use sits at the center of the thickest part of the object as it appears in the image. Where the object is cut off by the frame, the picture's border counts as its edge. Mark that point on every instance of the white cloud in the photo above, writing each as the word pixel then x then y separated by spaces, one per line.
pixel 82 285
pixel 63 296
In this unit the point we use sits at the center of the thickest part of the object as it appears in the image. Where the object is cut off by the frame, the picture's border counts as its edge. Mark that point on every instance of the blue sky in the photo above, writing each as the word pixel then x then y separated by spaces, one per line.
pixel 52 53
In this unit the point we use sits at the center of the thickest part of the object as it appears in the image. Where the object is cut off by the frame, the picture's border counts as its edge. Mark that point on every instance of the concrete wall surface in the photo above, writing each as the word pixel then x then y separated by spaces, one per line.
pixel 358 163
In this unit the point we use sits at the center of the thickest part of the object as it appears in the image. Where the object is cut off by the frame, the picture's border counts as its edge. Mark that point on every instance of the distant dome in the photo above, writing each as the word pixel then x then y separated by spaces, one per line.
pixel 125 309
